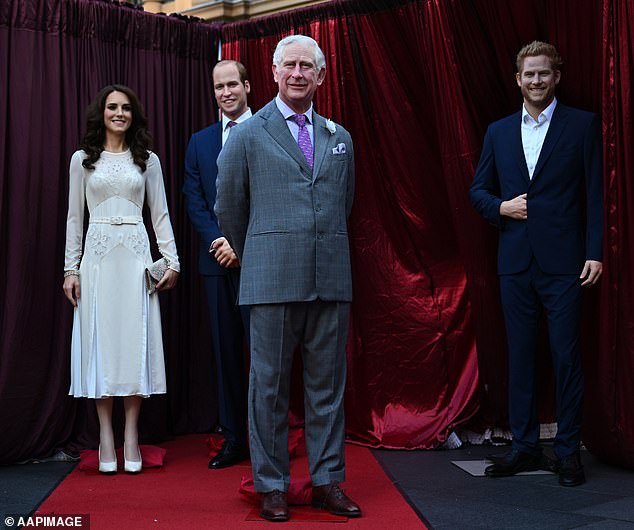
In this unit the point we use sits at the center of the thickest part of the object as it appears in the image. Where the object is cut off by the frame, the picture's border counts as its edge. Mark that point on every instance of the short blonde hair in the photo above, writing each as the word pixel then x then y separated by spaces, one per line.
pixel 536 48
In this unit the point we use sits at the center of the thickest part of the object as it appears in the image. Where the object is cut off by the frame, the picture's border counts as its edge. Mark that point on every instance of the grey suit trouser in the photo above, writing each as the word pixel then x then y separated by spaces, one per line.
pixel 321 329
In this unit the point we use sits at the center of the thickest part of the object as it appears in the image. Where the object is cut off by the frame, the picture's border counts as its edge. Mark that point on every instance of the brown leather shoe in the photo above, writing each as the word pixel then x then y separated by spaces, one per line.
pixel 274 506
pixel 332 498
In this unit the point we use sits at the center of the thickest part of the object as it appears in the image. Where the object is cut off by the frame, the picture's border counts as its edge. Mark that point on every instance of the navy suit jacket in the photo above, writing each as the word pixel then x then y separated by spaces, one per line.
pixel 564 227
pixel 199 188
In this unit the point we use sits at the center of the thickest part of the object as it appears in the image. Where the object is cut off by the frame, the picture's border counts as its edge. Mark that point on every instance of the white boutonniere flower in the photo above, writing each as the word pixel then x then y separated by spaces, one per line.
pixel 330 125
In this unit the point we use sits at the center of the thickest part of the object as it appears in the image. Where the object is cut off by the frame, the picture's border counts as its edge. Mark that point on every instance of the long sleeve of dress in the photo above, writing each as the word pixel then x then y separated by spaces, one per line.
pixel 157 202
pixel 76 207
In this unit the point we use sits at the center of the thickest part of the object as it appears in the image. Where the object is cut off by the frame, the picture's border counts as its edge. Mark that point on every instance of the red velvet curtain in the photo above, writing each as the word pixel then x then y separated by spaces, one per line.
pixel 609 425
pixel 413 373
pixel 471 47
pixel 54 57
pixel 416 82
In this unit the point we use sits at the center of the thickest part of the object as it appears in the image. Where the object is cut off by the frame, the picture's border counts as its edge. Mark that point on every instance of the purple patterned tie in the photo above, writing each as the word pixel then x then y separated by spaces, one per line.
pixel 231 124
pixel 303 138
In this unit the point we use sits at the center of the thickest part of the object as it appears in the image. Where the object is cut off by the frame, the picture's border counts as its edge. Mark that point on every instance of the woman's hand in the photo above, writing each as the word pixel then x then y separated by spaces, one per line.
pixel 168 281
pixel 72 289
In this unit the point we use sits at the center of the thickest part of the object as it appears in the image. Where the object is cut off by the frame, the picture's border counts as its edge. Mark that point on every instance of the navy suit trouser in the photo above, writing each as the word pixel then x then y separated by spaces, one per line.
pixel 524 296
pixel 228 324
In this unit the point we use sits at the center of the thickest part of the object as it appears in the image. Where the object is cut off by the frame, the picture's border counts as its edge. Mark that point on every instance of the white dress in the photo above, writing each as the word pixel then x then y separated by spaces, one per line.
pixel 117 346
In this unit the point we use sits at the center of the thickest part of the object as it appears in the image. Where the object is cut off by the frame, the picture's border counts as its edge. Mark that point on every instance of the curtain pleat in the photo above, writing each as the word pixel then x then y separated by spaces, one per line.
pixel 54 57
pixel 416 82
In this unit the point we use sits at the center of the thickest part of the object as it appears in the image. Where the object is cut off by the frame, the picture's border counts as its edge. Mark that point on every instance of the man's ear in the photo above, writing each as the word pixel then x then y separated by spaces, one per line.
pixel 321 75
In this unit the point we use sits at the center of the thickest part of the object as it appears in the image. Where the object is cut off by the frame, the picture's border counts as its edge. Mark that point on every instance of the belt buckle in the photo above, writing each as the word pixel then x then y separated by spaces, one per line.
pixel 116 220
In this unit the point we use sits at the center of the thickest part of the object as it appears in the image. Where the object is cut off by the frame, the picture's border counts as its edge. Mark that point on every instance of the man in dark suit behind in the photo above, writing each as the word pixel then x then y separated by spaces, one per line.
pixel 285 190
pixel 530 183
pixel 217 261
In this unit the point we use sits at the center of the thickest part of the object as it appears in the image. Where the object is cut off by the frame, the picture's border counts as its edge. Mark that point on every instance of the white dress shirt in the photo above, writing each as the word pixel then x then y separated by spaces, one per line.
pixel 225 122
pixel 534 133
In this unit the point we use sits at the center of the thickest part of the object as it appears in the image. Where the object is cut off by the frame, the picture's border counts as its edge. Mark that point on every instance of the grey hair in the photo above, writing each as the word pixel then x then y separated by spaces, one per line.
pixel 320 58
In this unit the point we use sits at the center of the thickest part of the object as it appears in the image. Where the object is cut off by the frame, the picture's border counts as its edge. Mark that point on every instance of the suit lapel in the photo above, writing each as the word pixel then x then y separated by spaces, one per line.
pixel 276 126
pixel 555 129
pixel 321 137
pixel 518 147
pixel 216 140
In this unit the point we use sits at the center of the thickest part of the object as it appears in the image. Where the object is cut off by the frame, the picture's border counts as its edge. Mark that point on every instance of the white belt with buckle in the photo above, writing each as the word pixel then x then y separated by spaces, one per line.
pixel 118 220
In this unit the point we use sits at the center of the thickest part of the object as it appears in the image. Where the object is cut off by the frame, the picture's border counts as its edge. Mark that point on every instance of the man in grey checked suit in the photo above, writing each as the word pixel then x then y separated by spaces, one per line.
pixel 285 189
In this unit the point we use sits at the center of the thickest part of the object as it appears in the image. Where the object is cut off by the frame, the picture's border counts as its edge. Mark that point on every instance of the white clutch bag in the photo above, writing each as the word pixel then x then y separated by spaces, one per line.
pixel 154 273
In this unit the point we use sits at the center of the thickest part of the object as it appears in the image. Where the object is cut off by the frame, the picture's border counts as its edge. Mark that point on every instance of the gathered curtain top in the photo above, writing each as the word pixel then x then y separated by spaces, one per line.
pixel 109 21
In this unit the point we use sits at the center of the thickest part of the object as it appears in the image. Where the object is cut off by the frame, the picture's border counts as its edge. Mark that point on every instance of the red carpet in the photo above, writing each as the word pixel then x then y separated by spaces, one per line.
pixel 184 494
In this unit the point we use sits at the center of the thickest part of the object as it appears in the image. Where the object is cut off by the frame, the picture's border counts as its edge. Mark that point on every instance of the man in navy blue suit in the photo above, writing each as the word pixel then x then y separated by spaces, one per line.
pixel 539 180
pixel 218 262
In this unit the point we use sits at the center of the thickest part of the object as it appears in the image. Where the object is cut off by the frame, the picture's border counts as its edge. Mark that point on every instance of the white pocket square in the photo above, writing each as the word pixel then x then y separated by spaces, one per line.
pixel 339 150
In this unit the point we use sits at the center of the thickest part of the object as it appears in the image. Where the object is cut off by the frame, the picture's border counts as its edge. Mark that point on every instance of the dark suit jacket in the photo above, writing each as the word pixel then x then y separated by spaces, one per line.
pixel 199 188
pixel 565 221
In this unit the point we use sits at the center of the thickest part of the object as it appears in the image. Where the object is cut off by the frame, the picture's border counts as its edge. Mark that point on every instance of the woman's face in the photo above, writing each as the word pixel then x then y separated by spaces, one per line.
pixel 117 113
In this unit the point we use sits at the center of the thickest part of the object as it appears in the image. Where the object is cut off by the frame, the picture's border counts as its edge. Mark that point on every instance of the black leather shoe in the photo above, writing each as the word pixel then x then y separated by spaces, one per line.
pixel 512 463
pixel 274 506
pixel 571 471
pixel 549 464
pixel 495 458
pixel 230 454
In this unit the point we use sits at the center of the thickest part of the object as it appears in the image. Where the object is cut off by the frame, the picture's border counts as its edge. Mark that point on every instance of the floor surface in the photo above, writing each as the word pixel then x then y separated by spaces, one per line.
pixel 443 495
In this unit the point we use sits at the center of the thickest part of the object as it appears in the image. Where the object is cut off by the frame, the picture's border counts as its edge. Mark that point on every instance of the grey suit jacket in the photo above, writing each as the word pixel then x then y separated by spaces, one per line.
pixel 286 223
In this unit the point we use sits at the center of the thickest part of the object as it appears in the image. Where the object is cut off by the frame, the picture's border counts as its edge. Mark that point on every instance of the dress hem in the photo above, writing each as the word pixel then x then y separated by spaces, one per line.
pixel 103 396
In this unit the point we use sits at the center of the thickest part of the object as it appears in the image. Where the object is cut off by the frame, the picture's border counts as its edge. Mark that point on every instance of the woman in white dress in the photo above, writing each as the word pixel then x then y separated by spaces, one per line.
pixel 116 347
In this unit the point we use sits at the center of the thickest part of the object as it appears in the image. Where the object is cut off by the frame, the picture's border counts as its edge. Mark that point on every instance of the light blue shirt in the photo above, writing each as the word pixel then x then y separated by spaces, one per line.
pixel 534 134
pixel 287 112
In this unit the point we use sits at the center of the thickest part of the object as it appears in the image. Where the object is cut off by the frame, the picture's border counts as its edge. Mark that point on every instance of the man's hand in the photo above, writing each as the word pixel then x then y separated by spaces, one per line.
pixel 224 254
pixel 515 208
pixel 591 272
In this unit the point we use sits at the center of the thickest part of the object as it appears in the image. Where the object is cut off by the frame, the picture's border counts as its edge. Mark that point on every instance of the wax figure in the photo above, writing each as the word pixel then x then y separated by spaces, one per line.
pixel 539 180
pixel 285 190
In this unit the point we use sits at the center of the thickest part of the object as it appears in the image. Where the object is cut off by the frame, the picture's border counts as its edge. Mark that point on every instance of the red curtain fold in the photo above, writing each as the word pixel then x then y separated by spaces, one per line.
pixel 54 57
pixel 416 82
pixel 609 423
pixel 425 79
pixel 471 48
pixel 412 375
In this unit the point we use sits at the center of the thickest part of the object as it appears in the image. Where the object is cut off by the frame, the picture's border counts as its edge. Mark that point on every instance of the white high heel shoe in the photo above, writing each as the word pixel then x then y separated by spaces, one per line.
pixel 132 466
pixel 107 467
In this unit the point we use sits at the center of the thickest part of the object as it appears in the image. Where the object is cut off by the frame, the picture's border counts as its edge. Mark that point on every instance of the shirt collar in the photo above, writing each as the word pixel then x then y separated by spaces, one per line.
pixel 287 112
pixel 545 115
pixel 243 117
